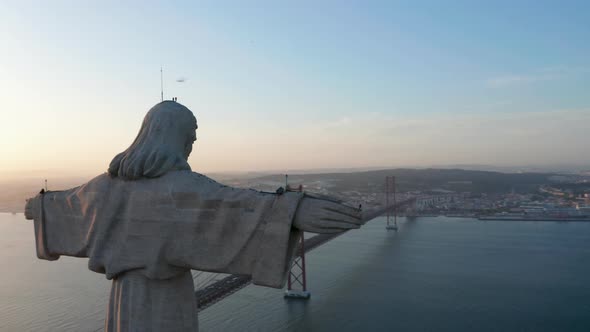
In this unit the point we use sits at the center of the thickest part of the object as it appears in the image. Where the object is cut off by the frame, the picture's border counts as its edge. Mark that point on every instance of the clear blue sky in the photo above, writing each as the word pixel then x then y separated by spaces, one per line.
pixel 278 85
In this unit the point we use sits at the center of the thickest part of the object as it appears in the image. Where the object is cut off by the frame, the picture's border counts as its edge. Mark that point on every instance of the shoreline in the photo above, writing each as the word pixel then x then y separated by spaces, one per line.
pixel 482 218
pixel 535 219
pixel 499 218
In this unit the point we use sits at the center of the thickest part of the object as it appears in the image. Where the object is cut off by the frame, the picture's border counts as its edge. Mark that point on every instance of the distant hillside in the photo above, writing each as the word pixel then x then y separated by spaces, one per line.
pixel 13 193
pixel 420 179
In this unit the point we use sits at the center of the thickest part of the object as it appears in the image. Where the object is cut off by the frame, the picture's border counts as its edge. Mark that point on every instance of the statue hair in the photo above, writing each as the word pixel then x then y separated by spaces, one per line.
pixel 160 145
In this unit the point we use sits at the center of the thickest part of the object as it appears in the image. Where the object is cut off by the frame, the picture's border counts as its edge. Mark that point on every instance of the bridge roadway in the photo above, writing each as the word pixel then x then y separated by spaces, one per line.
pixel 221 289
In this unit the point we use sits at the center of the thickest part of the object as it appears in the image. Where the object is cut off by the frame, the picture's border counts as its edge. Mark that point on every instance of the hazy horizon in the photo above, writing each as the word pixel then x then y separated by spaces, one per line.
pixel 14 184
pixel 38 175
pixel 16 188
pixel 299 86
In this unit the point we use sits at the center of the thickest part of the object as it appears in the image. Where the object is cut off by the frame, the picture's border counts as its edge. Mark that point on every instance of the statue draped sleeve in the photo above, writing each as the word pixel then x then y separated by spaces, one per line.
pixel 162 227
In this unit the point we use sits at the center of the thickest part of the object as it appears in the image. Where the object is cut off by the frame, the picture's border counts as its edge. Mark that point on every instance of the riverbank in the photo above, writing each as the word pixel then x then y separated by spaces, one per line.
pixel 502 218
pixel 518 218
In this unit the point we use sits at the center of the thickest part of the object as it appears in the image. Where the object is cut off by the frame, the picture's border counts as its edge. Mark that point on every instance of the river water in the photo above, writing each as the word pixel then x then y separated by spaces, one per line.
pixel 433 274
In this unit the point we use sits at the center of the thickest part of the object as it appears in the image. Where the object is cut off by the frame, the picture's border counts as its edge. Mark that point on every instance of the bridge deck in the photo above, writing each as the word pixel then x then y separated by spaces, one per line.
pixel 218 290
pixel 232 283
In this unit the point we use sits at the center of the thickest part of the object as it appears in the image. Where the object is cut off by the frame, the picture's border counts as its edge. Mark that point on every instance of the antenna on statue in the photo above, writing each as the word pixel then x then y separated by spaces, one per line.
pixel 161 83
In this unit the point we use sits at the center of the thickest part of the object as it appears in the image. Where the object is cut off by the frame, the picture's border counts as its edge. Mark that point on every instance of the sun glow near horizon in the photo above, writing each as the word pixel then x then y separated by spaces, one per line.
pixel 400 86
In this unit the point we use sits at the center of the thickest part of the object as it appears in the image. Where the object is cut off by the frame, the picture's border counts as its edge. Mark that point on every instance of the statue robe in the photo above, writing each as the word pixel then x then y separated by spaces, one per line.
pixel 146 235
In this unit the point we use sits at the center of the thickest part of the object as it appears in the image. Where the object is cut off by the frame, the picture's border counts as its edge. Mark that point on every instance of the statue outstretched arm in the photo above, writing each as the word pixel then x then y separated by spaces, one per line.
pixel 324 215
pixel 30 209
pixel 31 206
pixel 319 215
pixel 59 223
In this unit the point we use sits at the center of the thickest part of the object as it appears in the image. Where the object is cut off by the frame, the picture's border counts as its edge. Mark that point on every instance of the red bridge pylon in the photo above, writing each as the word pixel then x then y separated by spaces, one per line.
pixel 390 189
pixel 297 282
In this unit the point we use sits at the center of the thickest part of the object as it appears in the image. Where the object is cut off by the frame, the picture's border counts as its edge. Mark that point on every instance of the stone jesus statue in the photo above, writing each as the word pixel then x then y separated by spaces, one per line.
pixel 150 220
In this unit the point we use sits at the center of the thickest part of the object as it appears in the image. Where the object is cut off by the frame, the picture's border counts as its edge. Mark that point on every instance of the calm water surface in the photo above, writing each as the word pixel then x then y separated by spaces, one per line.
pixel 434 274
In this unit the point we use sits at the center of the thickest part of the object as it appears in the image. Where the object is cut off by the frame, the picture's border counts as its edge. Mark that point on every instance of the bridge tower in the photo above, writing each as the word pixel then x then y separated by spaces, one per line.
pixel 297 282
pixel 390 198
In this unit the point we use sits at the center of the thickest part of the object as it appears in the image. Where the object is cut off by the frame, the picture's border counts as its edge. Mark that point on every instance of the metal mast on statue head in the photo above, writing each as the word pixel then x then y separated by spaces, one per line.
pixel 161 84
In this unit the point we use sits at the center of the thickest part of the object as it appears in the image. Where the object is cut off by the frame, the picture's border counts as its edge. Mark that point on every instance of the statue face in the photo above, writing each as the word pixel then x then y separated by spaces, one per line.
pixel 188 148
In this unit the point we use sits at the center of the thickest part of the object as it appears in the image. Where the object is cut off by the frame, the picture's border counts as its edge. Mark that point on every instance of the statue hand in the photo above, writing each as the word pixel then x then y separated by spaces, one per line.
pixel 324 216
pixel 30 208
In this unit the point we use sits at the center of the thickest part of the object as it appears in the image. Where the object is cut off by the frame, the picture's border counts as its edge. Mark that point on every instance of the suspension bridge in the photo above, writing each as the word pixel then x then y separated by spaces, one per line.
pixel 214 287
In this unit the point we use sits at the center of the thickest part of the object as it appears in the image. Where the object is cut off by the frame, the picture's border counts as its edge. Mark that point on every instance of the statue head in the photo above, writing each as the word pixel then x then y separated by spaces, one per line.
pixel 163 144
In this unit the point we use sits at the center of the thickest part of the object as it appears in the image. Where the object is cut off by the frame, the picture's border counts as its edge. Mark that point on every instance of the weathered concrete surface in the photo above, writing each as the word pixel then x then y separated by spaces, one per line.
pixel 150 219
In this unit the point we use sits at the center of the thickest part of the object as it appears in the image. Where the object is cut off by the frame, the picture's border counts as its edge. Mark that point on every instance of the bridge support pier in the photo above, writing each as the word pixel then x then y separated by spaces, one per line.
pixel 297 282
